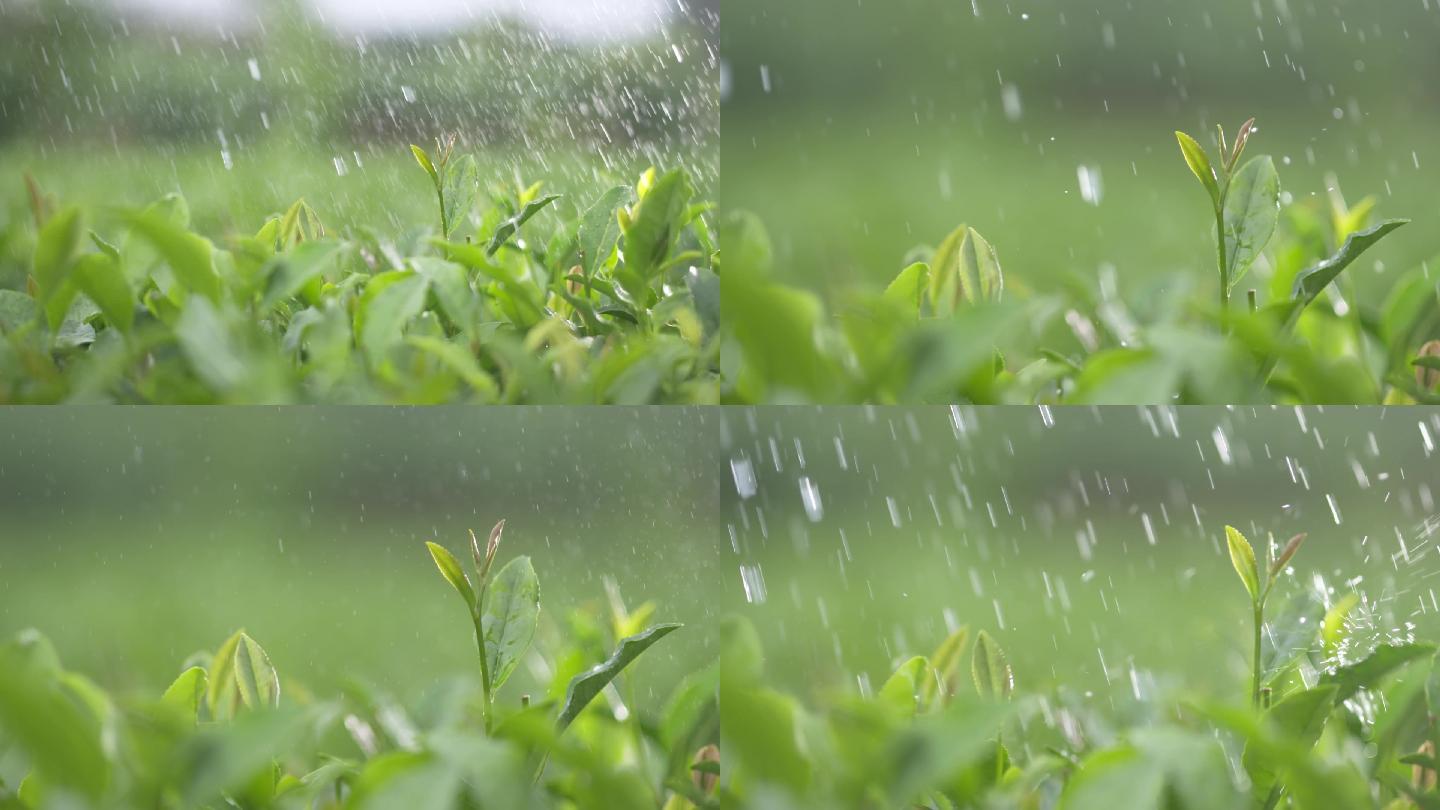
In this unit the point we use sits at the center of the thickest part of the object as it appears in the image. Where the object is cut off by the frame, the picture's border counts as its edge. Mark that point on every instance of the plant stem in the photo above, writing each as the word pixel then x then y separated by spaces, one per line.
pixel 484 671
pixel 1220 257
pixel 1255 658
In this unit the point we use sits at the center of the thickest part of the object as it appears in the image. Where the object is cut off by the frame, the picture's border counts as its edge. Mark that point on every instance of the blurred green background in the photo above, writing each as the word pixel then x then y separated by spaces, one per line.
pixel 250 106
pixel 1088 541
pixel 133 537
pixel 860 130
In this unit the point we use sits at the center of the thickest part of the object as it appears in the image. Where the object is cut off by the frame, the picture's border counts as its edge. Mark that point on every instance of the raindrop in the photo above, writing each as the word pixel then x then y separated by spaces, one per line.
pixel 1091 188
pixel 810 495
pixel 744 474
pixel 1010 101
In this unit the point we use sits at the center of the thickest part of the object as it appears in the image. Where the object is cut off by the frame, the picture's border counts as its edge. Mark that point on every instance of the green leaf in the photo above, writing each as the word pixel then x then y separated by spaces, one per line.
pixel 936 748
pixel 293 270
pixel 255 676
pixel 585 686
pixel 55 248
pixel 903 685
pixel 222 677
pixel 993 677
pixel 1332 627
pixel 190 257
pixel 908 288
pixel 1312 282
pixel 1200 165
pixel 424 161
pixel 964 270
pixel 461 184
pixel 762 729
pixel 16 310
pixel 508 228
pixel 1368 674
pixel 187 692
pixel 459 360
pixel 453 573
pixel 205 336
pixel 655 224
pixel 511 610
pixel 946 667
pixel 58 733
pixel 1299 717
pixel 599 230
pixel 1252 207
pixel 1242 556
pixel 98 276
pixel 1115 777
pixel 389 302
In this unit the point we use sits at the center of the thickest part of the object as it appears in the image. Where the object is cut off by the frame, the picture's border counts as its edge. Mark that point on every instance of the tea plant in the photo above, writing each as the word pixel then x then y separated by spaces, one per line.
pixel 946 329
pixel 1324 723
pixel 503 302
pixel 230 732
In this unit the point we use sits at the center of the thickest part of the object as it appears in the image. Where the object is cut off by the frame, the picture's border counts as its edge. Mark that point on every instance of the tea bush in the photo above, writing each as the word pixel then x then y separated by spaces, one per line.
pixel 232 732
pixel 1330 719
pixel 501 302
pixel 951 327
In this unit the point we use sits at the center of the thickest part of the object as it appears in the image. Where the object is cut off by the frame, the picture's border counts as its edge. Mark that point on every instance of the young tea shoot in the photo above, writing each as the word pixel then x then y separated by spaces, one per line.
pixel 949 329
pixel 1315 730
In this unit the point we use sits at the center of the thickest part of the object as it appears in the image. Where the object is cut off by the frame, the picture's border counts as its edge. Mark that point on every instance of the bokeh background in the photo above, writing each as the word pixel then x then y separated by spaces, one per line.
pixel 133 537
pixel 246 105
pixel 1088 541
pixel 859 130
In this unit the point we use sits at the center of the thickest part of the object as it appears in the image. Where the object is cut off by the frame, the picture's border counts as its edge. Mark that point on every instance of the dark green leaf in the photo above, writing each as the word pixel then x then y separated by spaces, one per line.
pixel 585 686
pixel 512 608
pixel 1312 282
pixel 1252 206
pixel 508 228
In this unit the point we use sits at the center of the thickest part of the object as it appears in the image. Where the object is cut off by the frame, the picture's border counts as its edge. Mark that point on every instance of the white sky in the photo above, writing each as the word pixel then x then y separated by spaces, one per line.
pixel 577 19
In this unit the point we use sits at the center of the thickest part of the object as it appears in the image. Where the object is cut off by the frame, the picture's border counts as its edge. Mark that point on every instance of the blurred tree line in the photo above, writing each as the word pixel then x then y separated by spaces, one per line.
pixel 1074 56
pixel 74 71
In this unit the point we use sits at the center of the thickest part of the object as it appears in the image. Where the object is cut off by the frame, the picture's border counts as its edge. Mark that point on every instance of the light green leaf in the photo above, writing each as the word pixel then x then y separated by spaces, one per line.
pixel 453 573
pixel 389 302
pixel 903 685
pixel 585 686
pixel 1199 164
pixel 509 616
pixel 991 670
pixel 462 183
pixel 98 276
pixel 255 676
pixel 459 360
pixel 1252 206
pixel 187 692
pixel 946 667
pixel 655 223
pixel 222 677
pixel 215 355
pixel 291 271
pixel 1242 556
pixel 55 248
pixel 964 270
pixel 424 161
pixel 908 287
pixel 1332 627
pixel 599 229
pixel 190 257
